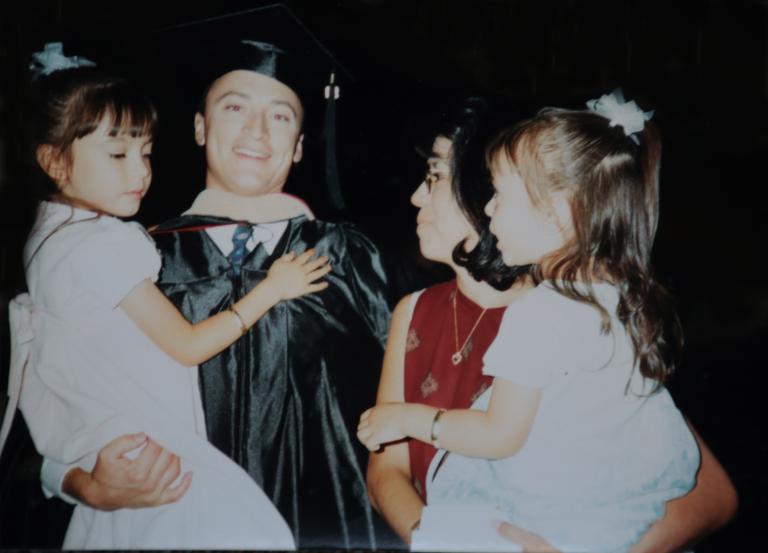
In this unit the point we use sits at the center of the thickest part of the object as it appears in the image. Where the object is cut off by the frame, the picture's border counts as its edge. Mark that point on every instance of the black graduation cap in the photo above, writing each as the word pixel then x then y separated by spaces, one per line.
pixel 269 40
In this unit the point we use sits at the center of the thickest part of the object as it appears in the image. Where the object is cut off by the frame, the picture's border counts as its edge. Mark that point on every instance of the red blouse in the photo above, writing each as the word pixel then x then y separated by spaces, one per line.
pixel 430 376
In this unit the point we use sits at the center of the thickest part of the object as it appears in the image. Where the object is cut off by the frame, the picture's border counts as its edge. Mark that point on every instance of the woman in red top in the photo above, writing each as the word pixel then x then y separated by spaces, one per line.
pixel 438 337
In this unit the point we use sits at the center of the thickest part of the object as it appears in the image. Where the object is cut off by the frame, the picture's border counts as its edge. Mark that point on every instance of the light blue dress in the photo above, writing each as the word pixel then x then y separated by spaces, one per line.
pixel 604 454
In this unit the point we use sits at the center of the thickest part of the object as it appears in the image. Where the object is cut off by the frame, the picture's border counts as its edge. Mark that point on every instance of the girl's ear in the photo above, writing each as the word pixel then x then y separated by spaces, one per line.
pixel 53 163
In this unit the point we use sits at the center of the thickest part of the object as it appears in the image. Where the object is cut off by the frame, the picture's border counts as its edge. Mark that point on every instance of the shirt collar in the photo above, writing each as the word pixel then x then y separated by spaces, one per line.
pixel 267 208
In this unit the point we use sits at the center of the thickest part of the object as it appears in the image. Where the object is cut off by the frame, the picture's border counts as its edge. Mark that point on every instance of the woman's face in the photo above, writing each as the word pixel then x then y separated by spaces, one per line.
pixel 440 223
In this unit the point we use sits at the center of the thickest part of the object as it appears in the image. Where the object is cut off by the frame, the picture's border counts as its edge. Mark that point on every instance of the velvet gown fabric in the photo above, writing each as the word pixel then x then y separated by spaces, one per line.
pixel 284 400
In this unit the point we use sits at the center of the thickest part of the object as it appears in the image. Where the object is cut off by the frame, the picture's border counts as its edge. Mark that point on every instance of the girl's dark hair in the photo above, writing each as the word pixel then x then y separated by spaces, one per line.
pixel 469 128
pixel 70 104
pixel 613 185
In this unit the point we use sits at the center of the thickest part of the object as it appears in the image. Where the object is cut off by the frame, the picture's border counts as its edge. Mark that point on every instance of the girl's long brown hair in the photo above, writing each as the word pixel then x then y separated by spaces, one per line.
pixel 613 185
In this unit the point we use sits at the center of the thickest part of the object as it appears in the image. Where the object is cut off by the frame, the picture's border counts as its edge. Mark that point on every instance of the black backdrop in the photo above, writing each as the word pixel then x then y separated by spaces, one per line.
pixel 702 65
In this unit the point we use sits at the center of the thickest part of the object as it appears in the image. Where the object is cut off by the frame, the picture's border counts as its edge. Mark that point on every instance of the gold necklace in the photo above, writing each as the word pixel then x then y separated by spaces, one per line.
pixel 459 353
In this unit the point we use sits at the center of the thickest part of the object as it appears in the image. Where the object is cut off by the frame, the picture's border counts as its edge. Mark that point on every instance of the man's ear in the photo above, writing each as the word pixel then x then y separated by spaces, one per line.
pixel 199 129
pixel 53 162
pixel 298 152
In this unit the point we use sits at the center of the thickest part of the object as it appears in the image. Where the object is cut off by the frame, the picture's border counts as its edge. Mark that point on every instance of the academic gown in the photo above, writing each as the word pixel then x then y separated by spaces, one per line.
pixel 285 399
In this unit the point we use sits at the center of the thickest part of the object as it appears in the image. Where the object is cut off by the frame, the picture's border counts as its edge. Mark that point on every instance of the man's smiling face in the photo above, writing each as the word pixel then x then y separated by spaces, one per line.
pixel 251 133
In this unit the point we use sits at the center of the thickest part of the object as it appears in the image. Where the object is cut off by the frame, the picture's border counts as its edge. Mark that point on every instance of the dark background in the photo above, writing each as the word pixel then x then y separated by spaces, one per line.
pixel 702 65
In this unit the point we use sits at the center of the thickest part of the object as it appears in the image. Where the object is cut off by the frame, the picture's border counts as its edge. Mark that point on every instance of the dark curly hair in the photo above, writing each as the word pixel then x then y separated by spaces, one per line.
pixel 469 127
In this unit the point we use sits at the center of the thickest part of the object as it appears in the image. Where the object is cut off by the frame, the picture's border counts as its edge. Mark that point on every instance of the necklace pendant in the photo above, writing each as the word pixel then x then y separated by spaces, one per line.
pixel 456 358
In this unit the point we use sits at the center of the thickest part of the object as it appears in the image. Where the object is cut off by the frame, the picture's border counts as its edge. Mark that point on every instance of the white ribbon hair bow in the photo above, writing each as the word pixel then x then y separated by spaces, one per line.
pixel 52 59
pixel 627 115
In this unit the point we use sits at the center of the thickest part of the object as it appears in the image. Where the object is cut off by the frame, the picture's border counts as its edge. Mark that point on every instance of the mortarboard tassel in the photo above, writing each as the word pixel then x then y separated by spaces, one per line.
pixel 333 184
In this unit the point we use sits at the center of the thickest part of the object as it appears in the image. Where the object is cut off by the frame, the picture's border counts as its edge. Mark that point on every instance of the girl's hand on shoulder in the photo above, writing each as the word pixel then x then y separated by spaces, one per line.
pixel 382 424
pixel 296 275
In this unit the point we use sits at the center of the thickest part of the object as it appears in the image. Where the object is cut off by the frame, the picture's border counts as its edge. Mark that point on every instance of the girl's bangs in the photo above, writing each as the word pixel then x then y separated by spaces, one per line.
pixel 131 113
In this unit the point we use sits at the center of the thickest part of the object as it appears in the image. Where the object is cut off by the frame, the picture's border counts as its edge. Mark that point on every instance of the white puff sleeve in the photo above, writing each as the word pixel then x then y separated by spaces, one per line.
pixel 545 335
pixel 111 262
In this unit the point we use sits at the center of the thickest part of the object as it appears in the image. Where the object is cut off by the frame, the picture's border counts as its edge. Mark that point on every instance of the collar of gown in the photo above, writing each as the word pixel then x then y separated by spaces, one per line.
pixel 267 208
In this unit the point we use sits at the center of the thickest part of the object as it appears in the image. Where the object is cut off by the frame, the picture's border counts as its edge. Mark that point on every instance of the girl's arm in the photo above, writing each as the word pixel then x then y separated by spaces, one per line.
pixel 493 434
pixel 709 505
pixel 389 471
pixel 191 344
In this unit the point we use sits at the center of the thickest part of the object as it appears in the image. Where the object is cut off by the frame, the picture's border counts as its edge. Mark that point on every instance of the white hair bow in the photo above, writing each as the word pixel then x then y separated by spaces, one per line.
pixel 52 59
pixel 628 115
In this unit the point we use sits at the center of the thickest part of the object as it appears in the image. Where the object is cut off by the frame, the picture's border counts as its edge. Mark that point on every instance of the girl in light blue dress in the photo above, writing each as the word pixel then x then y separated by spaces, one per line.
pixel 577 440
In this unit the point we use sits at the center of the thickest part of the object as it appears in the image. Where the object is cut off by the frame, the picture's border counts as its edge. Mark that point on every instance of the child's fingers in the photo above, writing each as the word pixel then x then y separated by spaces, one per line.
pixel 305 256
pixel 318 273
pixel 316 287
pixel 366 438
pixel 313 264
pixel 289 256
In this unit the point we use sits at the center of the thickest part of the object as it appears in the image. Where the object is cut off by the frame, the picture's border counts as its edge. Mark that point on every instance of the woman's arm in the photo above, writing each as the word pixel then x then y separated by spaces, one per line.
pixel 493 434
pixel 709 505
pixel 389 471
pixel 191 344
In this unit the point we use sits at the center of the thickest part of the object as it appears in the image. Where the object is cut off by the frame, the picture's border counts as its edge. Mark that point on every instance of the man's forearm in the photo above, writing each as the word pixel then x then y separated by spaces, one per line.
pixel 707 507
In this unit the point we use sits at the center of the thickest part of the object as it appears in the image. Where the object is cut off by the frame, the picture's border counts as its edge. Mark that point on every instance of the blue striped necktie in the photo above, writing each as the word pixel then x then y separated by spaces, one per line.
pixel 240 238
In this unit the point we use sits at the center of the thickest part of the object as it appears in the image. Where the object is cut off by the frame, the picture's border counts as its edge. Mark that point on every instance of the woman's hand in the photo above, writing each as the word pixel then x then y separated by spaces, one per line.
pixel 382 424
pixel 292 276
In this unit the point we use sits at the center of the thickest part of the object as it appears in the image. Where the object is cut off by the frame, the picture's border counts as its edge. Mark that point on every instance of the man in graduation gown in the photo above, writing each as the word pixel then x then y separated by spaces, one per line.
pixel 284 400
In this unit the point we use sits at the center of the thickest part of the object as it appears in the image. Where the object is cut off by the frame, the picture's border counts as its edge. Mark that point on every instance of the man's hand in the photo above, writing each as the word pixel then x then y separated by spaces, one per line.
pixel 118 481
pixel 531 543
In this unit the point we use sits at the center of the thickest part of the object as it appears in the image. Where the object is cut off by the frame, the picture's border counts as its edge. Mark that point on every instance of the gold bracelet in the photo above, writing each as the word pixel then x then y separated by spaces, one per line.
pixel 434 433
pixel 240 321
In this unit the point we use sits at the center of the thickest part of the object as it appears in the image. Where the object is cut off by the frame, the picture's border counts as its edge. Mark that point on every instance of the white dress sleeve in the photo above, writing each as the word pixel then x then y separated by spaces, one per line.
pixel 544 335
pixel 112 262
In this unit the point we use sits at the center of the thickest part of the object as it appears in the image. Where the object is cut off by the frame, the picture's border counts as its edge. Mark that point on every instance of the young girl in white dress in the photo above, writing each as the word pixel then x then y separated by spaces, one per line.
pixel 95 340
pixel 577 440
